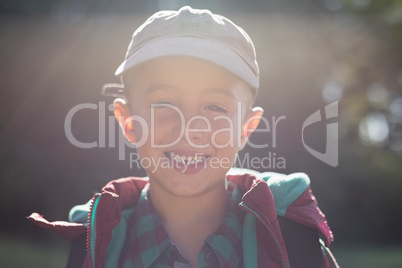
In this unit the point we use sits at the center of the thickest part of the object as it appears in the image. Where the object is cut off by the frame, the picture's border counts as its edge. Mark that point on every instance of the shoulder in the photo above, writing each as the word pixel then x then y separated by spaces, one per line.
pixel 125 190
pixel 303 225
pixel 285 189
pixel 118 186
pixel 293 199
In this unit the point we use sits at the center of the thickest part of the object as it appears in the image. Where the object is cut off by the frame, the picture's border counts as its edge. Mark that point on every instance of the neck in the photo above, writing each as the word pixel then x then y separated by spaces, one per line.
pixel 206 208
pixel 189 220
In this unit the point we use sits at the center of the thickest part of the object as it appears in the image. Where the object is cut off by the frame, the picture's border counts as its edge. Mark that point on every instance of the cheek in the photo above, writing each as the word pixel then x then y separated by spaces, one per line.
pixel 164 126
pixel 225 132
pixel 165 119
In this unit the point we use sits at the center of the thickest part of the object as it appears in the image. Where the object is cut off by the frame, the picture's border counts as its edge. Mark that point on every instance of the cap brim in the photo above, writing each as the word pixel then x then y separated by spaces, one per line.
pixel 193 47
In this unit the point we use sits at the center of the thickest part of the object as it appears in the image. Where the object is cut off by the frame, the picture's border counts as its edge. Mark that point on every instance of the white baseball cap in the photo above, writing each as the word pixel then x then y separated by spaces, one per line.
pixel 195 33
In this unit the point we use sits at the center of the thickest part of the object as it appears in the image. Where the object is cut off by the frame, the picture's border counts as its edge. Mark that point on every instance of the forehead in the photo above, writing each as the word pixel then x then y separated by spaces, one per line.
pixel 186 75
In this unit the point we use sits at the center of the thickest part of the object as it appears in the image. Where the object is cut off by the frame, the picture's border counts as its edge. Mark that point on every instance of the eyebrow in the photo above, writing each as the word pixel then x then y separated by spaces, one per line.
pixel 222 91
pixel 152 89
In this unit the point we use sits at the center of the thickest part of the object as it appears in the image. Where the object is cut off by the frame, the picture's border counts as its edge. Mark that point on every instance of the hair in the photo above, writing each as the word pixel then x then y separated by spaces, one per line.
pixel 128 84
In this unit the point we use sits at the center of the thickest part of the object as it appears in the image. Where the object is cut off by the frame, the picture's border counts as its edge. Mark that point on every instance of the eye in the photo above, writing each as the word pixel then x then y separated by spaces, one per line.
pixel 215 108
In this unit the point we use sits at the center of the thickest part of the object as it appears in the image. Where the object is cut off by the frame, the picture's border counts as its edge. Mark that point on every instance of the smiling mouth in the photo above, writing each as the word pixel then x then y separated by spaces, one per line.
pixel 188 160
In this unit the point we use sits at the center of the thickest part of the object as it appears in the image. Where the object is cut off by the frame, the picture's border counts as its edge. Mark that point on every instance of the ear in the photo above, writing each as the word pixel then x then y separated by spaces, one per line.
pixel 251 122
pixel 122 112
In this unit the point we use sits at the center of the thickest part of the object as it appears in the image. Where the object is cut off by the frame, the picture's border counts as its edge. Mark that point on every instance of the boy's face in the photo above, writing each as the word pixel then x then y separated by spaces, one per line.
pixel 190 117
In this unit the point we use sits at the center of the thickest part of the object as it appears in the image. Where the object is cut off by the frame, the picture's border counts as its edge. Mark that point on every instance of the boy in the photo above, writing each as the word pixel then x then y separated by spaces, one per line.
pixel 190 79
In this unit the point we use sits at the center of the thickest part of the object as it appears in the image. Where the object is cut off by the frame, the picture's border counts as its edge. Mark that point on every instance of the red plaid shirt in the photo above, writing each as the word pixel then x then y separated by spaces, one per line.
pixel 148 244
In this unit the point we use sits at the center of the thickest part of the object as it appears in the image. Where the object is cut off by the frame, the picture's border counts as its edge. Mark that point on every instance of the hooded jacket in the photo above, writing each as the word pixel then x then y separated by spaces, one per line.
pixel 282 216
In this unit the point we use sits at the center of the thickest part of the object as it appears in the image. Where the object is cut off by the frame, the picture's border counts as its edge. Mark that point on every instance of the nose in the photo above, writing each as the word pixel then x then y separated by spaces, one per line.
pixel 196 131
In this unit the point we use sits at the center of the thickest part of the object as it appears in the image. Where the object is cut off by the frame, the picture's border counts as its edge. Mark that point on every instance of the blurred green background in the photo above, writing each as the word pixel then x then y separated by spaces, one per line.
pixel 58 54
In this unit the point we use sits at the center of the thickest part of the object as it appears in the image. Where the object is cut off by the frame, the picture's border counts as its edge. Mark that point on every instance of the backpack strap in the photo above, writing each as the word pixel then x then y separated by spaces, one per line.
pixel 302 244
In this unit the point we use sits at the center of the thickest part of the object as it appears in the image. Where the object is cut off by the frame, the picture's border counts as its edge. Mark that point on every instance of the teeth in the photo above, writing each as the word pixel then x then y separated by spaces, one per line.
pixel 188 159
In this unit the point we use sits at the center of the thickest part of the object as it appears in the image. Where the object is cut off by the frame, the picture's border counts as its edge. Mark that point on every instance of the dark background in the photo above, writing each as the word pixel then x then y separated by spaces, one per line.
pixel 58 54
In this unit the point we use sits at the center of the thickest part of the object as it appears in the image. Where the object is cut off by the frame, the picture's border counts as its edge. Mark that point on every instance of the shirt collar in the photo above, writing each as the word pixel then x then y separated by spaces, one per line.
pixel 226 241
pixel 149 239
